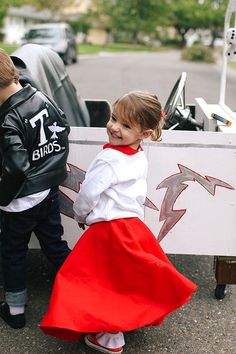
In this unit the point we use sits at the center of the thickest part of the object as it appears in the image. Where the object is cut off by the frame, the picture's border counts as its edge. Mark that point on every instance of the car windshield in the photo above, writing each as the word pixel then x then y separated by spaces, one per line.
pixel 44 33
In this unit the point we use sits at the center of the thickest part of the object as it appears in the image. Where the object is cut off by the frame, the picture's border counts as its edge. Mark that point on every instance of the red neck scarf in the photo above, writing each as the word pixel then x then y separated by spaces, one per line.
pixel 123 148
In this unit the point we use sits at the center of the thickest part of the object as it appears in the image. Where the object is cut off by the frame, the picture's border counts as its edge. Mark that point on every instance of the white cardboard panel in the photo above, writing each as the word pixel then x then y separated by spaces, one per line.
pixel 200 212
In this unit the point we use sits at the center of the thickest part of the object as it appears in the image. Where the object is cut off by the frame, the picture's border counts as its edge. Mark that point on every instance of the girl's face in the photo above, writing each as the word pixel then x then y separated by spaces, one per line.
pixel 121 133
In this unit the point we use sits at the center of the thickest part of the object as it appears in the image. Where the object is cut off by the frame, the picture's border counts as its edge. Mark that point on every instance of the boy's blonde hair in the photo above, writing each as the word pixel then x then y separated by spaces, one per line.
pixel 8 71
pixel 140 108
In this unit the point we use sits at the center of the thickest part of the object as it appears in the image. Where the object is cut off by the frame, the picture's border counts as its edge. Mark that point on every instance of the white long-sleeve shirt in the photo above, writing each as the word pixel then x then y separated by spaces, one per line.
pixel 114 187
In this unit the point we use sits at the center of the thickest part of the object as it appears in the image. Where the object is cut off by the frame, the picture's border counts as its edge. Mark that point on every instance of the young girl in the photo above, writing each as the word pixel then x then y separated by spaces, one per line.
pixel 117 278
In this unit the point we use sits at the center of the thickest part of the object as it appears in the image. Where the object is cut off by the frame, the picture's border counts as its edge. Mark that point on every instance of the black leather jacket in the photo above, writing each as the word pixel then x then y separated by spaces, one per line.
pixel 33 145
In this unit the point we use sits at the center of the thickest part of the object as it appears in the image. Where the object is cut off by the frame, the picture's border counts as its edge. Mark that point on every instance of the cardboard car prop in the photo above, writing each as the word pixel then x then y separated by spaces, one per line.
pixel 191 200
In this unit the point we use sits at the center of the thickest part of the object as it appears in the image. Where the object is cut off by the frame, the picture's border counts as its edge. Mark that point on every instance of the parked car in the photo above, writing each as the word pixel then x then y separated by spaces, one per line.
pixel 57 36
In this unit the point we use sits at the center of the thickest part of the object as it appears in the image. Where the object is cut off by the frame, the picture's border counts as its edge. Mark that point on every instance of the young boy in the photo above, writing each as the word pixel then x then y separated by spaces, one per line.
pixel 33 153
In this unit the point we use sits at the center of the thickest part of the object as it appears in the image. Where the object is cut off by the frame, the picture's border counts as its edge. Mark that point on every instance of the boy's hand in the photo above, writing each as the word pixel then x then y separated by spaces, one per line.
pixel 82 226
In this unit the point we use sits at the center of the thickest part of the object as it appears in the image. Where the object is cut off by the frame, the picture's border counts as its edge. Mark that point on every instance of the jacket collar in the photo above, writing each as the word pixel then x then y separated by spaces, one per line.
pixel 20 96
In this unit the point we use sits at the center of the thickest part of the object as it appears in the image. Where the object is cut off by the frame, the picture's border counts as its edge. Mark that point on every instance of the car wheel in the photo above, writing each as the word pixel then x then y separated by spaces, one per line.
pixel 68 57
pixel 74 55
pixel 75 59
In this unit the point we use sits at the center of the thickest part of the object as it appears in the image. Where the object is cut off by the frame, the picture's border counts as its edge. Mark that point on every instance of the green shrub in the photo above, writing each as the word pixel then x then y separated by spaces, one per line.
pixel 198 53
pixel 172 42
pixel 1 36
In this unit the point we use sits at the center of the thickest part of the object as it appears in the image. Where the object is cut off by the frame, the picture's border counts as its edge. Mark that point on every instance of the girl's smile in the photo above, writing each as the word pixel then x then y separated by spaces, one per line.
pixel 122 133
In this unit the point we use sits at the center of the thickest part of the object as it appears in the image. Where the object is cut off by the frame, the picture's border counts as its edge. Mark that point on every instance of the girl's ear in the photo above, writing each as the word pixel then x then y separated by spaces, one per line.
pixel 147 133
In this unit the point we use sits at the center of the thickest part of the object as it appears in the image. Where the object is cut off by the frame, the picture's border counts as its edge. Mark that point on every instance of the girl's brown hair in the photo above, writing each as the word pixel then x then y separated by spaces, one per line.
pixel 141 108
pixel 8 71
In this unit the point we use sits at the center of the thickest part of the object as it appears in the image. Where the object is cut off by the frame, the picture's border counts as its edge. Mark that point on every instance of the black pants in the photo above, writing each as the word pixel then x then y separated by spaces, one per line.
pixel 45 221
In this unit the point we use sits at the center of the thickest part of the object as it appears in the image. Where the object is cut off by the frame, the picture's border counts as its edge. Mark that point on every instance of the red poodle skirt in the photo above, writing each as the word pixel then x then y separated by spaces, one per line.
pixel 117 278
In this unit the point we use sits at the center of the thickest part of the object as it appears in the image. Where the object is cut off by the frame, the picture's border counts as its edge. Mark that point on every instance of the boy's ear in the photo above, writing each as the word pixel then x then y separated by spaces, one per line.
pixel 147 133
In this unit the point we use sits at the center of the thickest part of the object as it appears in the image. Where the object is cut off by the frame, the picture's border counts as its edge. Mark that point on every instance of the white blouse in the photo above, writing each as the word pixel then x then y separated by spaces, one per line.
pixel 114 187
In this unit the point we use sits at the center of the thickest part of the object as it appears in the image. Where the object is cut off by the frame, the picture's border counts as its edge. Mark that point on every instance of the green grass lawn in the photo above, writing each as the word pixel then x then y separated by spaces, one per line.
pixel 94 49
pixel 9 48
pixel 84 49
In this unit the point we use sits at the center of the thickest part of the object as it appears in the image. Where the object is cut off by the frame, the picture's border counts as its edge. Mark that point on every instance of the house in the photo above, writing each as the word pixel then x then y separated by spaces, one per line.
pixel 97 34
pixel 18 19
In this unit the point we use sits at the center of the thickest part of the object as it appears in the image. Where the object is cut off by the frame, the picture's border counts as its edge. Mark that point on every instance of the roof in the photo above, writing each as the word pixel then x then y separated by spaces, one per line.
pixel 49 25
pixel 28 11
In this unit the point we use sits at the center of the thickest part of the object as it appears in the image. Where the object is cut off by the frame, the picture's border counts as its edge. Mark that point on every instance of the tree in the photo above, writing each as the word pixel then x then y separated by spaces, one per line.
pixel 4 5
pixel 136 18
pixel 52 5
pixel 133 16
pixel 213 12
pixel 185 15
pixel 82 24
pixel 7 3
pixel 2 15
pixel 196 14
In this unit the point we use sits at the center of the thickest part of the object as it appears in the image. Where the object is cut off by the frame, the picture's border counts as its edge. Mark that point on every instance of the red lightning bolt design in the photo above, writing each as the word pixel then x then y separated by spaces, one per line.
pixel 73 181
pixel 175 186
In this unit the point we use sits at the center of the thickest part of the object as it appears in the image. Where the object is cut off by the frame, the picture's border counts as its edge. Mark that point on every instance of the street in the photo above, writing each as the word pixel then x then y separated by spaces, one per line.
pixel 204 325
pixel 107 76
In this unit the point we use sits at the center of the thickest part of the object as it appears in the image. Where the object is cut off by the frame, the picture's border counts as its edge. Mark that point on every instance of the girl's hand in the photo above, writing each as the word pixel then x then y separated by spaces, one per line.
pixel 82 226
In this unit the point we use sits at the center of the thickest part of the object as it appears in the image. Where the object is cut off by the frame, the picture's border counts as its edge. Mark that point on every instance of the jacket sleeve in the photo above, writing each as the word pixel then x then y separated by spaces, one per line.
pixel 98 179
pixel 15 163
